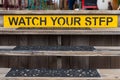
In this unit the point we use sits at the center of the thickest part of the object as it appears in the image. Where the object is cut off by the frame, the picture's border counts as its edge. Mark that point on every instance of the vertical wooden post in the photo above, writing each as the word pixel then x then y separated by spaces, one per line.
pixel 61 4
pixel 59 41
pixel 6 3
pixel 19 4
pixel 59 58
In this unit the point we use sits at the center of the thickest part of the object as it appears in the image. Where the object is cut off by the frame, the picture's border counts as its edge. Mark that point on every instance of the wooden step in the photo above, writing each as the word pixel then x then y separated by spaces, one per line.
pixel 99 51
pixel 110 31
pixel 60 12
pixel 3 12
pixel 106 74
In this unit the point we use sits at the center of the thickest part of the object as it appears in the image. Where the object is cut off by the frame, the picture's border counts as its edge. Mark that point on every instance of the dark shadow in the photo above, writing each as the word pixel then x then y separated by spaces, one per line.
pixel 55 48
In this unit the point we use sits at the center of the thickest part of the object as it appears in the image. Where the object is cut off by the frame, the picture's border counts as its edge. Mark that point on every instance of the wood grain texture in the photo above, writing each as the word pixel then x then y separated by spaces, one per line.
pixel 100 51
pixel 71 37
pixel 52 61
pixel 59 58
pixel 67 40
pixel 79 62
pixel 111 31
pixel 4 71
pixel 2 12
pixel 4 61
pixel 22 40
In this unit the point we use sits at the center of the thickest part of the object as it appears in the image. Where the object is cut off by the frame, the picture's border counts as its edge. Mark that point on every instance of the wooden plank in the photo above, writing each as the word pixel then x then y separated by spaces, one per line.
pixel 4 71
pixel 115 40
pixel 12 47
pixel 4 60
pixel 59 58
pixel 115 62
pixel 59 40
pixel 52 40
pixel 109 74
pixel 109 51
pixel 38 41
pixel 22 40
pixel 2 12
pixel 38 62
pixel 60 53
pixel 79 40
pixel 12 40
pixel 48 78
pixel 101 62
pixel 59 62
pixel 23 62
pixel 4 40
pixel 59 32
pixel 79 62
pixel 13 61
pixel 52 61
pixel 100 41
pixel 107 48
pixel 66 61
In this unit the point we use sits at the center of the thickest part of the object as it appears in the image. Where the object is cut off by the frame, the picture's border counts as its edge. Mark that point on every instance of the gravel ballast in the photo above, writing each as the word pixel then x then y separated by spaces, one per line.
pixel 53 73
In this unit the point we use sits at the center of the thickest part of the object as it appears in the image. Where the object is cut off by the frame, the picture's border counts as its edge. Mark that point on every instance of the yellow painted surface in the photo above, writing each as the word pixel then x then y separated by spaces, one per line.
pixel 61 21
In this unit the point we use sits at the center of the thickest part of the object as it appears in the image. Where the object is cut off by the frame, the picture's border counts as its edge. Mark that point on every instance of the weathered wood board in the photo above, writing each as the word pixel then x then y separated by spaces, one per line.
pixel 71 37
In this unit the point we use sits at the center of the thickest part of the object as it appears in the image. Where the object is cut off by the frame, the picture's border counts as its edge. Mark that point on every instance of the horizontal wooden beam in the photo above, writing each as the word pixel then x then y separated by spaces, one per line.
pixel 100 51
pixel 106 74
pixel 60 53
pixel 110 31
pixel 3 12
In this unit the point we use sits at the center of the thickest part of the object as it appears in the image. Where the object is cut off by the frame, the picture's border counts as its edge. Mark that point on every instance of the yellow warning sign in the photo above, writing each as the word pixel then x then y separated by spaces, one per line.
pixel 61 21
